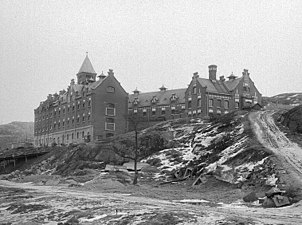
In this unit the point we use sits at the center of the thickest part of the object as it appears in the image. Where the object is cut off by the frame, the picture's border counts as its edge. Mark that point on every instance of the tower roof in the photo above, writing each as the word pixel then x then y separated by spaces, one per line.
pixel 86 66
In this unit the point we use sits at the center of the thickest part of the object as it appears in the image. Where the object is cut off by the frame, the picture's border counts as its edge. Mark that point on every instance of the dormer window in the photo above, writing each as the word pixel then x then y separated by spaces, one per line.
pixel 154 100
pixel 135 101
pixel 173 98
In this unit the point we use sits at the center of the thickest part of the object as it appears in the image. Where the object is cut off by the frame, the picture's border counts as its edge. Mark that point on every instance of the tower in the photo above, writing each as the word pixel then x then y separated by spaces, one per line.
pixel 86 73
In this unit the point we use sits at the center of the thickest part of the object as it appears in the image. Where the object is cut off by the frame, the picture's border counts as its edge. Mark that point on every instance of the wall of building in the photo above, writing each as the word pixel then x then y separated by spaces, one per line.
pixel 101 97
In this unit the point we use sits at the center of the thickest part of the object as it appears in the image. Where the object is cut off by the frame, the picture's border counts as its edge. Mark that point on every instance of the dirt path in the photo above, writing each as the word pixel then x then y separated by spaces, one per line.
pixel 275 140
pixel 54 204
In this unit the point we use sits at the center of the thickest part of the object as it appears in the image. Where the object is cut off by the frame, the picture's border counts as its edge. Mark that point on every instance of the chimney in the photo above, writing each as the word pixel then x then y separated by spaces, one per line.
pixel 72 82
pixel 195 75
pixel 245 72
pixel 221 78
pixel 212 72
pixel 110 72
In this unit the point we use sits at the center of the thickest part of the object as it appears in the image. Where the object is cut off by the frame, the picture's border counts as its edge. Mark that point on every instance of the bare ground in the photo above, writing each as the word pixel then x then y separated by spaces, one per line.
pixel 28 203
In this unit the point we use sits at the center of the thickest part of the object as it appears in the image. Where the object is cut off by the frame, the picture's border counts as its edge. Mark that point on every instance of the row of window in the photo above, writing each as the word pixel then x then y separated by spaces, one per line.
pixel 219 103
pixel 58 140
pixel 174 110
pixel 57 111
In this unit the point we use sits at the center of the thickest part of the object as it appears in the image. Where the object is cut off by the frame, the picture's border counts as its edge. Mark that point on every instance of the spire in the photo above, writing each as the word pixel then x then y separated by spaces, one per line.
pixel 86 73
pixel 86 66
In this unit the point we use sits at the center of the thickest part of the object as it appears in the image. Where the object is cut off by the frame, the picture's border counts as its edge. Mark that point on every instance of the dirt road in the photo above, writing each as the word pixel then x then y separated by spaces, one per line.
pixel 275 140
pixel 24 203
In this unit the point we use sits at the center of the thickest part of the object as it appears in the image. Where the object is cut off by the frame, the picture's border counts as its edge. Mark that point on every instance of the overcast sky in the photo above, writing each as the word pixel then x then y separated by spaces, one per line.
pixel 146 43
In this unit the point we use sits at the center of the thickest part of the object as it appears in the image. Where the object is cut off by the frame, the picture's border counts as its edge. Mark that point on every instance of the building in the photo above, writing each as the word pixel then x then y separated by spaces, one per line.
pixel 211 97
pixel 156 106
pixel 94 109
pixel 91 109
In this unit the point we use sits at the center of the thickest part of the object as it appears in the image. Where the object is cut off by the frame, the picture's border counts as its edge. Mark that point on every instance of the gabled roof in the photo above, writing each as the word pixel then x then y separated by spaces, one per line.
pixel 233 83
pixel 213 86
pixel 162 96
pixel 86 66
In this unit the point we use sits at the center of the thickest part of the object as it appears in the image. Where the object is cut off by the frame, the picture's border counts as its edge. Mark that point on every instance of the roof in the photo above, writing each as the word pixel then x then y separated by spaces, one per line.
pixel 86 66
pixel 232 84
pixel 213 87
pixel 162 96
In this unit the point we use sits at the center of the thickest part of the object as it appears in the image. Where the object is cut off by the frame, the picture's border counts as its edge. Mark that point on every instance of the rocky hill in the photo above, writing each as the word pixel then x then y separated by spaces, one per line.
pixel 286 99
pixel 15 132
pixel 225 148
pixel 293 119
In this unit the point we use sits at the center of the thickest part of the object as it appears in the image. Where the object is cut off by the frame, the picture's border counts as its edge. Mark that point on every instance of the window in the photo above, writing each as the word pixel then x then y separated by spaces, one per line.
pixel 163 111
pixel 78 106
pixel 218 103
pixel 110 125
pixel 83 104
pixel 72 136
pixel 110 89
pixel 236 105
pixel 77 135
pixel 83 134
pixel 89 102
pixel 67 137
pixel 226 104
pixel 110 109
pixel 73 108
pixel 144 113
pixel 63 124
pixel 83 118
pixel 199 102
pixel 78 119
pixel 153 111
pixel 189 104
pixel 194 90
pixel 211 103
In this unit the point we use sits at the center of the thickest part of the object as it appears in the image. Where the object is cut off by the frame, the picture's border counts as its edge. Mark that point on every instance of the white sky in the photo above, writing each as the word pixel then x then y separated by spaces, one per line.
pixel 146 43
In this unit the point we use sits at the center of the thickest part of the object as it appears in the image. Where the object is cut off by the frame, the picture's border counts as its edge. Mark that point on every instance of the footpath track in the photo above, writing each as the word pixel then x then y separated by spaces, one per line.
pixel 272 138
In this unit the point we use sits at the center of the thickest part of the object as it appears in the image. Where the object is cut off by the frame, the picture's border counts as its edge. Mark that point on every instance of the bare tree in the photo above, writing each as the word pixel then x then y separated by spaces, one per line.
pixel 140 147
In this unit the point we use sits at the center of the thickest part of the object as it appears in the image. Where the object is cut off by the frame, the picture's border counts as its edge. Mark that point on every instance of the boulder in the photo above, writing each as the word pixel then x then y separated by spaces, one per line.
pixel 251 197
pixel 268 203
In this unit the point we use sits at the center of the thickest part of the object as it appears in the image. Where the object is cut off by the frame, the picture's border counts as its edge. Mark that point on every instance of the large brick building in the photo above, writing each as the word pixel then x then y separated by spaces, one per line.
pixel 204 98
pixel 89 110
pixel 211 97
pixel 94 109
pixel 152 107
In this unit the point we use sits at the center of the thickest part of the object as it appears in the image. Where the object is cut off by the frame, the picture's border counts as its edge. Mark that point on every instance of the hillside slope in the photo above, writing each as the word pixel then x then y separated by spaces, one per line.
pixel 286 99
pixel 293 119
pixel 225 148
pixel 14 132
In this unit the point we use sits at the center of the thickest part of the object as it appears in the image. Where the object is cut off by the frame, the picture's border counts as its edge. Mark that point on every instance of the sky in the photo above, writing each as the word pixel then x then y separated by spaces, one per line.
pixel 147 44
